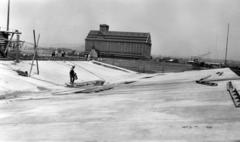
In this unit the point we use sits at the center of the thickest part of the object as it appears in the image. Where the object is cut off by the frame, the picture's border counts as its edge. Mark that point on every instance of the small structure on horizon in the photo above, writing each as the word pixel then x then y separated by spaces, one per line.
pixel 3 42
pixel 107 43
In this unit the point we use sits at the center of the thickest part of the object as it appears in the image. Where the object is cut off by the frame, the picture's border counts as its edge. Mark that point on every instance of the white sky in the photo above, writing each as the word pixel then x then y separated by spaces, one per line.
pixel 178 27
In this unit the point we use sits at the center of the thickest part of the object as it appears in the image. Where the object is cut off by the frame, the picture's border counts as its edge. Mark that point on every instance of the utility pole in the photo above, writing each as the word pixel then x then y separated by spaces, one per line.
pixel 8 14
pixel 225 61
pixel 17 47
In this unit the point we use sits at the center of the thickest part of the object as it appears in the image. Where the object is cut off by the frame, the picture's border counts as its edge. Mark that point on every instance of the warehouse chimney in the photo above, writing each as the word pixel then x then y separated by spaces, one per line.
pixel 104 28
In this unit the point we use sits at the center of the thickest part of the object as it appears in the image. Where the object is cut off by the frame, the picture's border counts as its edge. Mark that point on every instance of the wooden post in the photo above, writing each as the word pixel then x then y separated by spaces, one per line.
pixel 8 44
pixel 17 47
pixel 35 56
pixel 35 50
pixel 38 39
pixel 32 64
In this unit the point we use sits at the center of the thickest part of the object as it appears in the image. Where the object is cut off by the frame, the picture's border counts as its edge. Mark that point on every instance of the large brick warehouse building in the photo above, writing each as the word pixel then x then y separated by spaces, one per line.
pixel 119 44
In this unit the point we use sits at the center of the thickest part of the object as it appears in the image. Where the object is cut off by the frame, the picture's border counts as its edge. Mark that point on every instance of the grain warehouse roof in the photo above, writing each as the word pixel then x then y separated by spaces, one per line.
pixel 119 36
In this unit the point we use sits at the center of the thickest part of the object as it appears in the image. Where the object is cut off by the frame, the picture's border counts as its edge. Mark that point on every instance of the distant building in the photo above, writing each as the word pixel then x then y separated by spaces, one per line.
pixel 119 44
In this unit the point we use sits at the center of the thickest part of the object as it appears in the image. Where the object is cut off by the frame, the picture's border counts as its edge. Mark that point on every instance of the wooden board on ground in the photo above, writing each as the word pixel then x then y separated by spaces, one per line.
pixel 70 91
pixel 86 83
pixel 207 83
pixel 95 89
pixel 84 89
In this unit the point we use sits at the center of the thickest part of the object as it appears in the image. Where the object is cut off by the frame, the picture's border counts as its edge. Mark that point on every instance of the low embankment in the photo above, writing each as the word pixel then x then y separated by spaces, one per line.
pixel 148 66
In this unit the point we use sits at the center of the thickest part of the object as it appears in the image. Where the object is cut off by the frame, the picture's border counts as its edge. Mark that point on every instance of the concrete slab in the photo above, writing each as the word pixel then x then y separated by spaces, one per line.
pixel 164 107
pixel 171 112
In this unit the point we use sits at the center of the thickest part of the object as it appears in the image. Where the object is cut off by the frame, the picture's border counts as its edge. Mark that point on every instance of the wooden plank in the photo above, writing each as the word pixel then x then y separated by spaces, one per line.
pixel 35 53
pixel 86 83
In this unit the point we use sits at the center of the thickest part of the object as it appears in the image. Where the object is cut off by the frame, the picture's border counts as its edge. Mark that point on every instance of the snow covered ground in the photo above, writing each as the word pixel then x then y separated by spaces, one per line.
pixel 156 107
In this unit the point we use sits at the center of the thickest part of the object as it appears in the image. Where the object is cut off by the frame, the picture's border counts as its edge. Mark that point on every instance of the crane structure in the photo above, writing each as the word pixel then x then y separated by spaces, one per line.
pixel 7 40
pixel 198 58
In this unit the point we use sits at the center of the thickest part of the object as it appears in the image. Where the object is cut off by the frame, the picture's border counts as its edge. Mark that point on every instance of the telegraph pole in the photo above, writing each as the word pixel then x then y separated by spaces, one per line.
pixel 8 15
pixel 225 61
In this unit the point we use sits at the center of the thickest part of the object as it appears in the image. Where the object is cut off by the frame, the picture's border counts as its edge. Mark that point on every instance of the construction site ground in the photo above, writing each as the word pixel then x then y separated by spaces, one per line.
pixel 139 107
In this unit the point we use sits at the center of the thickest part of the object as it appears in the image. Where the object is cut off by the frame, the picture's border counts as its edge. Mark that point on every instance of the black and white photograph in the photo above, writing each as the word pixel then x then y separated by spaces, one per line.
pixel 119 71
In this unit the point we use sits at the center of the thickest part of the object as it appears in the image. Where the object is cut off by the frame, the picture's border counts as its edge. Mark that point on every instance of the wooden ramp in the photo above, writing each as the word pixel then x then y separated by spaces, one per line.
pixel 91 87
pixel 234 94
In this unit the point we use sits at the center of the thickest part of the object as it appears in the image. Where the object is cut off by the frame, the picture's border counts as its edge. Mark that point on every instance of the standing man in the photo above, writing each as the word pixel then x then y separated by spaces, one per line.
pixel 73 75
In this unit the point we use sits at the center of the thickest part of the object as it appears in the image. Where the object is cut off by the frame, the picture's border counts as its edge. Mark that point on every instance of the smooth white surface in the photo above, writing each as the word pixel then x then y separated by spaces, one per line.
pixel 165 107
